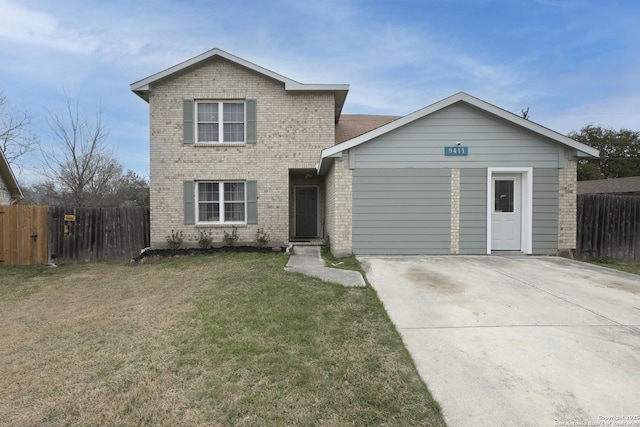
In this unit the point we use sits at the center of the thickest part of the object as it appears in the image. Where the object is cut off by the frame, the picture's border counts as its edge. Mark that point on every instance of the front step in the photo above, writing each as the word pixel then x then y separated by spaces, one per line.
pixel 307 242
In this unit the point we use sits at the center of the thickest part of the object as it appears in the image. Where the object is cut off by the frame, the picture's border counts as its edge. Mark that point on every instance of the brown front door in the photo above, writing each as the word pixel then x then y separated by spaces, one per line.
pixel 306 211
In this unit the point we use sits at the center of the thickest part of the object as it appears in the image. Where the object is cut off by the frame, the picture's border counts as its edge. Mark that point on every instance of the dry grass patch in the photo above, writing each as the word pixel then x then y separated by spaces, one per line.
pixel 230 339
pixel 89 344
pixel 630 266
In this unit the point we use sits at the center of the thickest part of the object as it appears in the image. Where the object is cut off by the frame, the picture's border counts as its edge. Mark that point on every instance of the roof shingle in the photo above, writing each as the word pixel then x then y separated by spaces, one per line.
pixel 352 125
pixel 629 185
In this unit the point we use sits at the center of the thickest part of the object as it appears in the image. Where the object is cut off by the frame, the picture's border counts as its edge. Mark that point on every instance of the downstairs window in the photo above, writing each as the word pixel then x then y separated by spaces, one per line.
pixel 221 202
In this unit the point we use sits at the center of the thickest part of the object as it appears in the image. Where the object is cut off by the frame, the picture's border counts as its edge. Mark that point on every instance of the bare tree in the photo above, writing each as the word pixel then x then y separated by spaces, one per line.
pixel 130 189
pixel 16 137
pixel 80 164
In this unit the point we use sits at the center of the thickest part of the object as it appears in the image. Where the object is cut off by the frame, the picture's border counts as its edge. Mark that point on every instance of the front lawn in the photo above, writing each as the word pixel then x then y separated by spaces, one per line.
pixel 226 339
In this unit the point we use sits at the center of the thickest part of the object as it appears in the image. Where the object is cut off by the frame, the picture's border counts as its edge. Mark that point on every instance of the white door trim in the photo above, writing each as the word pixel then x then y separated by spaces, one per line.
pixel 526 210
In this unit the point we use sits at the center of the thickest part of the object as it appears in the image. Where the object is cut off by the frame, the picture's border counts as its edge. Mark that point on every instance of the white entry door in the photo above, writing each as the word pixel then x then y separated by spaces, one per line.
pixel 506 212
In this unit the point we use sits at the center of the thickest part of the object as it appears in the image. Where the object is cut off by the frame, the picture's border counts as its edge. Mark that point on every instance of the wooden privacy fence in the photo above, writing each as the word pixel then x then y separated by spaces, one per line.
pixel 41 234
pixel 91 234
pixel 608 226
pixel 23 235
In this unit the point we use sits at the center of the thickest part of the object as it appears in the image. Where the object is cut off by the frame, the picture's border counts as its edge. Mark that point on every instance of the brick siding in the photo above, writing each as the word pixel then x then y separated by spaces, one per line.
pixel 455 211
pixel 567 204
pixel 339 203
pixel 292 129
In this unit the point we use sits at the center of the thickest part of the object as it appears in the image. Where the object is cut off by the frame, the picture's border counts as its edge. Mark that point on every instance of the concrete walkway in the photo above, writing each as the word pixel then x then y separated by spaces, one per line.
pixel 307 260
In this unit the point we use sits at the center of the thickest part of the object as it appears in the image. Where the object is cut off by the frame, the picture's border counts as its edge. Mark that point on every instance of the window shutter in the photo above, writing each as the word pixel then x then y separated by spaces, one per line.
pixel 187 121
pixel 252 202
pixel 189 202
pixel 252 119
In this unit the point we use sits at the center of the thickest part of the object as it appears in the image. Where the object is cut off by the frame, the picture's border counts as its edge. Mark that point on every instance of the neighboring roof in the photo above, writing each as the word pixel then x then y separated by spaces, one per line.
pixel 142 88
pixel 6 174
pixel 629 185
pixel 351 125
pixel 582 149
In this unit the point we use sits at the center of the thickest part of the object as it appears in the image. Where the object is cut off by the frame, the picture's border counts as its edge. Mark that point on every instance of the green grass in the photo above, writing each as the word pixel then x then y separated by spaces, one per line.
pixel 618 264
pixel 346 263
pixel 228 339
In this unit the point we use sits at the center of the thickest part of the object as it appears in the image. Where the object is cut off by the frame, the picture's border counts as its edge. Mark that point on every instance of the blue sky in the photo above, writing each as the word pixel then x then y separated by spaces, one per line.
pixel 571 62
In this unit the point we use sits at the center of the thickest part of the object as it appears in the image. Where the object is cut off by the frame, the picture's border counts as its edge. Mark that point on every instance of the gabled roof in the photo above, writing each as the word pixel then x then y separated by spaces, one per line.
pixel 628 185
pixel 6 174
pixel 582 149
pixel 142 88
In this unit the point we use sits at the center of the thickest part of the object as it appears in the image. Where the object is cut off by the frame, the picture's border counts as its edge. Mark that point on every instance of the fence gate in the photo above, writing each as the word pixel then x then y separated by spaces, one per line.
pixel 43 234
pixel 23 235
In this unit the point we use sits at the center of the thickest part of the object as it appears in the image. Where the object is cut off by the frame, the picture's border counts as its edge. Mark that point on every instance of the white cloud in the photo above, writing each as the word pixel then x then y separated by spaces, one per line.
pixel 397 57
pixel 21 25
pixel 617 111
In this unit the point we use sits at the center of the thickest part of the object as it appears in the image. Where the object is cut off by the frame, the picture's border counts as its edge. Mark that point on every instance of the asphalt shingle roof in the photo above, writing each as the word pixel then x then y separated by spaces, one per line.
pixel 629 185
pixel 352 125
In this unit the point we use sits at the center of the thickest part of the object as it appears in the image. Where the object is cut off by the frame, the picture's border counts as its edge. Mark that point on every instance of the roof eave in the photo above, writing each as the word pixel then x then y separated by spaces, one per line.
pixel 325 162
pixel 143 87
pixel 583 150
pixel 143 92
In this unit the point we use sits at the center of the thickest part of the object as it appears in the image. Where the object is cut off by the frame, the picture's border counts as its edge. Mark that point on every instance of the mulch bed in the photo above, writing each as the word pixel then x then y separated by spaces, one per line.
pixel 155 255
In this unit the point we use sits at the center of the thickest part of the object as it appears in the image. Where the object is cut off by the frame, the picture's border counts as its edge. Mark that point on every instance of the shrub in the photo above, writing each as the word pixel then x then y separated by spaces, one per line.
pixel 262 238
pixel 204 240
pixel 230 239
pixel 175 239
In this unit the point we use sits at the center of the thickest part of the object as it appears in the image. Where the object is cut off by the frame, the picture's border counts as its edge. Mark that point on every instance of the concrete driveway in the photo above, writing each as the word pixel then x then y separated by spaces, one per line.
pixel 526 341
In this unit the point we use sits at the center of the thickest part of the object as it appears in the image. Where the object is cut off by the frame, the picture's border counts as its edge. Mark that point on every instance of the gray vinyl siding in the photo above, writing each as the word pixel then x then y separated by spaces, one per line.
pixel 401 211
pixel 545 211
pixel 401 183
pixel 491 142
pixel 473 211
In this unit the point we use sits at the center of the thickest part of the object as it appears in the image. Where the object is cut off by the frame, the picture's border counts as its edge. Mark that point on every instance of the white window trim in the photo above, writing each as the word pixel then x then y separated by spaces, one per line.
pixel 516 193
pixel 526 206
pixel 220 202
pixel 221 122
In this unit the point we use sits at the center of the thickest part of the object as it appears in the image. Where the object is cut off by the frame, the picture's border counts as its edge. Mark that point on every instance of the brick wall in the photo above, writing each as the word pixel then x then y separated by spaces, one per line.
pixel 567 204
pixel 339 213
pixel 292 130
pixel 455 212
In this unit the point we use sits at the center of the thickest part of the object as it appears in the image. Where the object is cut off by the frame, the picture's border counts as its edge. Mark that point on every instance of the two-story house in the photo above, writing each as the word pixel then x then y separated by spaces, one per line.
pixel 234 145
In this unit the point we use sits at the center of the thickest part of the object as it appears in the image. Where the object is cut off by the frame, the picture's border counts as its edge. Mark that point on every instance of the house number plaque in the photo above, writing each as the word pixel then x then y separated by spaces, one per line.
pixel 456 151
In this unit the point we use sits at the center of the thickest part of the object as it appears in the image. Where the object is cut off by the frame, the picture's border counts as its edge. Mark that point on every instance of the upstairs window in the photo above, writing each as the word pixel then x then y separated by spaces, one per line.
pixel 220 121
